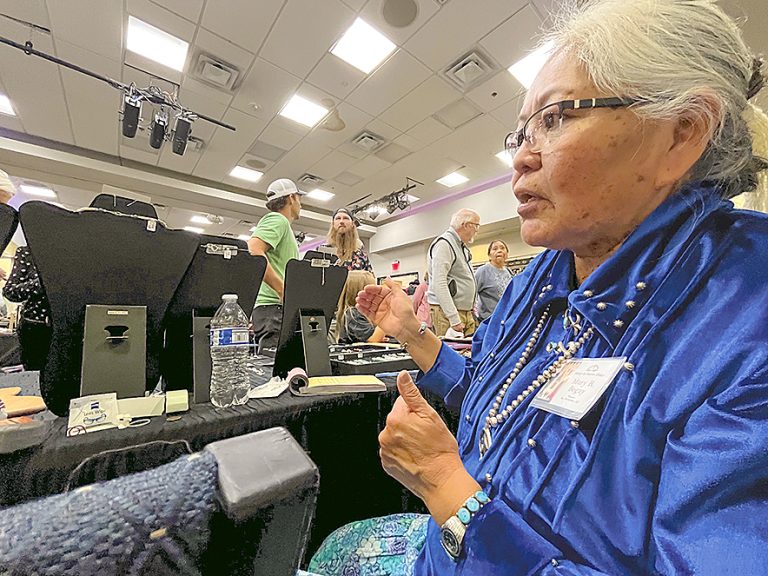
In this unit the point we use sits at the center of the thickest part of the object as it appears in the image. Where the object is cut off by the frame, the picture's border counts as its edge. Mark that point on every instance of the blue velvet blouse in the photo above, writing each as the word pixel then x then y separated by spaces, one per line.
pixel 668 474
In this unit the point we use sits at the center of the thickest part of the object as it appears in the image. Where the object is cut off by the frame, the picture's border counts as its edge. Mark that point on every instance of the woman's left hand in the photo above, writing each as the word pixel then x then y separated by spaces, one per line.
pixel 419 451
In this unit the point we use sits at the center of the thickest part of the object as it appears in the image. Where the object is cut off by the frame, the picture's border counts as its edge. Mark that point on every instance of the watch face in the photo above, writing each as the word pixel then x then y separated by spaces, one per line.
pixel 450 543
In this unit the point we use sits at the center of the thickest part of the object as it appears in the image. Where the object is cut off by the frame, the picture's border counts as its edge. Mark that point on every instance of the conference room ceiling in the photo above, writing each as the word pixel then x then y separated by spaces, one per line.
pixel 429 123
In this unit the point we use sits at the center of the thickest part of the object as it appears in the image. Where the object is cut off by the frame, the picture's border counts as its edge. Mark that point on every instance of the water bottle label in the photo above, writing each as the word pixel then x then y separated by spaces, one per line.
pixel 229 336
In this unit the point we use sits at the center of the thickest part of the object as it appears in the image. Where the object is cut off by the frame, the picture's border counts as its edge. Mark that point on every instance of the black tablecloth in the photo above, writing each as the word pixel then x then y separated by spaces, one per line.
pixel 339 432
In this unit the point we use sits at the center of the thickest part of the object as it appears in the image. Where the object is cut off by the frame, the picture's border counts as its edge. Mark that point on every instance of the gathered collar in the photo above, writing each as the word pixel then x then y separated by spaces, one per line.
pixel 616 291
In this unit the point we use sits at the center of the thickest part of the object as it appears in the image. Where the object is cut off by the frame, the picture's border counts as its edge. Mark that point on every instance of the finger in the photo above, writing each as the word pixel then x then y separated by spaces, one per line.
pixel 392 285
pixel 410 393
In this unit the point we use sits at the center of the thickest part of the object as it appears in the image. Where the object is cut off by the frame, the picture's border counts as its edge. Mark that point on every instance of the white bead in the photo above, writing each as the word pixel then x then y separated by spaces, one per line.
pixel 520 398
pixel 630 304
pixel 496 405
pixel 641 285
pixel 519 365
pixel 531 442
pixel 588 293
pixel 629 366
pixel 514 404
pixel 618 323
pixel 602 306
pixel 494 421
pixel 525 393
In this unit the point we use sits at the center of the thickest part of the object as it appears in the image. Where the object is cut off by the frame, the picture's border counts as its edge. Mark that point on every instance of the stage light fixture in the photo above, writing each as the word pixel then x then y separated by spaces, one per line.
pixel 402 201
pixel 181 134
pixel 159 129
pixel 392 204
pixel 131 114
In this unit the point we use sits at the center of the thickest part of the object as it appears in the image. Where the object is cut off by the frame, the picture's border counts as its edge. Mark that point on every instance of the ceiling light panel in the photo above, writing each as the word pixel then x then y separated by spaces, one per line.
pixel 194 229
pixel 155 44
pixel 244 237
pixel 197 219
pixel 363 46
pixel 243 173
pixel 5 106
pixel 303 111
pixel 452 179
pixel 320 195
pixel 40 191
pixel 526 69
pixel 505 157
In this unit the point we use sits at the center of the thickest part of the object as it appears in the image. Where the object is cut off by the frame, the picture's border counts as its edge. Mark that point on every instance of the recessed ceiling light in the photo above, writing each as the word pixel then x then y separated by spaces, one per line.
pixel 41 191
pixel 412 198
pixel 505 157
pixel 363 46
pixel 452 179
pixel 246 174
pixel 194 229
pixel 155 44
pixel 197 219
pixel 526 68
pixel 308 238
pixel 5 106
pixel 320 195
pixel 303 111
pixel 244 237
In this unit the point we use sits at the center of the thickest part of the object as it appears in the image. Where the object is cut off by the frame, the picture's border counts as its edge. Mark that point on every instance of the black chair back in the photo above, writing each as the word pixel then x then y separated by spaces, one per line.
pixel 124 205
pixel 95 257
pixel 9 220
pixel 211 274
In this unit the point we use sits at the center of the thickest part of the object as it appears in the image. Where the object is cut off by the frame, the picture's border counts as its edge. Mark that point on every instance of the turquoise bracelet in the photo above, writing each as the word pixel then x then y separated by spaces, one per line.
pixel 472 506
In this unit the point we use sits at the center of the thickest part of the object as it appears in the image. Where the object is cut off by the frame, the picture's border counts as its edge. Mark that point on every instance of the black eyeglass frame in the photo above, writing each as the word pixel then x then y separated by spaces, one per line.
pixel 514 140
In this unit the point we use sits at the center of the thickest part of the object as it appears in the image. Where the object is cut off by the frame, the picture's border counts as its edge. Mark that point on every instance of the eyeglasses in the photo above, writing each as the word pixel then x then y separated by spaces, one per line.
pixel 473 224
pixel 546 123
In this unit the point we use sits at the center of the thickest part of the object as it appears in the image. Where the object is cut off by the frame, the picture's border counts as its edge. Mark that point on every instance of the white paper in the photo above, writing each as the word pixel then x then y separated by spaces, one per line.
pixel 271 389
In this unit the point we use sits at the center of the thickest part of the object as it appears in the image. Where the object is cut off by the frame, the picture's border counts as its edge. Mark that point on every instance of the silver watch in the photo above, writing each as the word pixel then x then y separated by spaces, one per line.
pixel 452 535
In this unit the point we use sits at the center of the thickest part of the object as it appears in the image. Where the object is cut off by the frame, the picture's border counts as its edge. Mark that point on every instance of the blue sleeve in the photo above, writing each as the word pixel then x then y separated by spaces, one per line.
pixel 711 513
pixel 451 374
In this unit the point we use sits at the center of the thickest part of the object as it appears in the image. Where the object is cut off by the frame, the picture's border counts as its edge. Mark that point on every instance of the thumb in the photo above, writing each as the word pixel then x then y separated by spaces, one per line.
pixel 391 284
pixel 410 393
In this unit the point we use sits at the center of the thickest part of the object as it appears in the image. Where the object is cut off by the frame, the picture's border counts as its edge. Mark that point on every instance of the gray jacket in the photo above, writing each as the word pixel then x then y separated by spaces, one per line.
pixel 448 263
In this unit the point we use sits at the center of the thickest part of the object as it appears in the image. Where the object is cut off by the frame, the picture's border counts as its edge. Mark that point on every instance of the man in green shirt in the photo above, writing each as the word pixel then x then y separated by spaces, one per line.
pixel 273 238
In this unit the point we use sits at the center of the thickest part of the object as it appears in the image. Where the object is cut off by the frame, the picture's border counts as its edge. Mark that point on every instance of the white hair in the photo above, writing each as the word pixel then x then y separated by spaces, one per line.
pixel 462 217
pixel 679 58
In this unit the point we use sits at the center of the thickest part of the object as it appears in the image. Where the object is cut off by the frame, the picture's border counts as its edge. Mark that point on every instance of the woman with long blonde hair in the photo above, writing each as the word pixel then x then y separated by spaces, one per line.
pixel 352 326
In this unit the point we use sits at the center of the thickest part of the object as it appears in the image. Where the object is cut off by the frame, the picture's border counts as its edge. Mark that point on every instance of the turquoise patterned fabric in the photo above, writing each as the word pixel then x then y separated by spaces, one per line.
pixel 385 546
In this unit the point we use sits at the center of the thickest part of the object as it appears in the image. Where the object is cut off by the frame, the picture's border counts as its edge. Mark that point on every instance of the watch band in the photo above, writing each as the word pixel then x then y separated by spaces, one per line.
pixel 452 532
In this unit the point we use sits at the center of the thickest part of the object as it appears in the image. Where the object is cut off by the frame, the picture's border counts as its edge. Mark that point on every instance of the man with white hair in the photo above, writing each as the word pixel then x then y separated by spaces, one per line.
pixel 452 289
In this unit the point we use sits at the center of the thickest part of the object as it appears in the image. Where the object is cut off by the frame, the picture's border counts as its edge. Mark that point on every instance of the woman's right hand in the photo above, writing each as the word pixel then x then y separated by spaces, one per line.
pixel 388 307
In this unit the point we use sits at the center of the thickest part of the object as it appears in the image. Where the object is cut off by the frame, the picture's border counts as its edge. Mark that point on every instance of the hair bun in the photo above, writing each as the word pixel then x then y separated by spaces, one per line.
pixel 757 80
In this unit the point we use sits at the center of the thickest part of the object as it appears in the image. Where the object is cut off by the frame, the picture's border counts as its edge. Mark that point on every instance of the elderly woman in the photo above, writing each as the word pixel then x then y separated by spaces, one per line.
pixel 492 279
pixel 342 235
pixel 614 414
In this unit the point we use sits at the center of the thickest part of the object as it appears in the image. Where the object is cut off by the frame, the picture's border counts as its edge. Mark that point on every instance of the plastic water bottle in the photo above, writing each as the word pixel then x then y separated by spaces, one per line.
pixel 229 354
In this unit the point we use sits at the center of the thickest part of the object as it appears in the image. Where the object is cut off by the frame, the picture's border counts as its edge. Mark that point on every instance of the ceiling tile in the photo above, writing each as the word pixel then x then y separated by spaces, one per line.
pixel 509 112
pixel 393 80
pixel 383 129
pixel 267 86
pixel 409 142
pixel 428 130
pixel 428 98
pixel 26 78
pixel 333 164
pixel 335 76
pixel 240 21
pixel 456 27
pixel 93 106
pixel 368 166
pixel 276 135
pixel 226 146
pixel 105 39
pixel 373 14
pixel 495 91
pixel 298 160
pixel 354 121
pixel 11 123
pixel 189 9
pixel 514 38
pixel 352 150
pixel 220 48
pixel 189 84
pixel 355 4
pixel 202 104
pixel 137 155
pixel 304 31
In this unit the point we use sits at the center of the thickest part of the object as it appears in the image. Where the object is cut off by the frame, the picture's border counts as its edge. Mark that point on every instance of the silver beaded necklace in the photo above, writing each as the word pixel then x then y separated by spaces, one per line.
pixel 495 418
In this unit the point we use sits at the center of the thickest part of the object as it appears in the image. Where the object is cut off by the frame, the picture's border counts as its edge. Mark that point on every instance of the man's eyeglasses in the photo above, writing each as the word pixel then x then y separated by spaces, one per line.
pixel 476 224
pixel 546 122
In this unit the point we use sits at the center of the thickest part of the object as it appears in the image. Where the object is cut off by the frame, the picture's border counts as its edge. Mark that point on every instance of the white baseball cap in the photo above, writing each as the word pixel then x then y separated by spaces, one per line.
pixel 282 187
